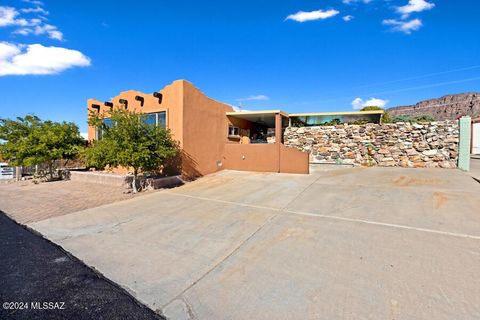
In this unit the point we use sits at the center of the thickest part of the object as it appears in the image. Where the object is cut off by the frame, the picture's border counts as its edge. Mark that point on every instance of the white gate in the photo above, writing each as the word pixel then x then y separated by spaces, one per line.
pixel 476 138
pixel 6 172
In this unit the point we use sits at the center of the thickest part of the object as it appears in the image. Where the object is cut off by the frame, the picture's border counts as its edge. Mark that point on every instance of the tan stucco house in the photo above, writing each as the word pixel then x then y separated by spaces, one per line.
pixel 212 135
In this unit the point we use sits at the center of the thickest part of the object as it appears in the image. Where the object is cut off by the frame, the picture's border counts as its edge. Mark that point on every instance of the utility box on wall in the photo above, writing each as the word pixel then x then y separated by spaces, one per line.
pixel 464 144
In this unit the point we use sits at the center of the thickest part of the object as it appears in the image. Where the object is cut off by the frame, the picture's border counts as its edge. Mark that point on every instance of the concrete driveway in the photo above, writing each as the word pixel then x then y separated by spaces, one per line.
pixel 340 243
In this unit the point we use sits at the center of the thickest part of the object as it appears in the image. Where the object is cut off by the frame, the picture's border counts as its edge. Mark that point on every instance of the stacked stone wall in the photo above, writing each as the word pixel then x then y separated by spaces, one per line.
pixel 416 145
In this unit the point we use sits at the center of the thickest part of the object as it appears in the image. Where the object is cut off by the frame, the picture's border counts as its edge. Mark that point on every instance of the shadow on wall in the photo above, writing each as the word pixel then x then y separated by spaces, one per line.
pixel 183 164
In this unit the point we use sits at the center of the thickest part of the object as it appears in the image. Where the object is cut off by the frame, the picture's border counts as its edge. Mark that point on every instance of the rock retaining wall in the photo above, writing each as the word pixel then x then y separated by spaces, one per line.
pixel 417 145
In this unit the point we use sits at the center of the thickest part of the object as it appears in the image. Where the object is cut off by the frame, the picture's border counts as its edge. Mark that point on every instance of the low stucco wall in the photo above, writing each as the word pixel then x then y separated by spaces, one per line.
pixel 251 157
pixel 265 158
pixel 430 145
pixel 293 160
pixel 121 180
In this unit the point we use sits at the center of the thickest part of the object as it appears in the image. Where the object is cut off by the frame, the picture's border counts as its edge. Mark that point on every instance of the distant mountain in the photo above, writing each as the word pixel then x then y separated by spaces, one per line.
pixel 448 107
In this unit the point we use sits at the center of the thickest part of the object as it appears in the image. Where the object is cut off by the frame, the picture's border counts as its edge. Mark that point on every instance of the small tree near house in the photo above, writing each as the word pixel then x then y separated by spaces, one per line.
pixel 127 140
pixel 28 141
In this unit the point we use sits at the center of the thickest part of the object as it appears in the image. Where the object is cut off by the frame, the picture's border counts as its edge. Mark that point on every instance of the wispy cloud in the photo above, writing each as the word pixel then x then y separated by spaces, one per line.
pixel 404 26
pixel 36 59
pixel 414 6
pixel 359 103
pixel 302 16
pixel 259 97
pixel 356 1
pixel 35 10
pixel 347 18
pixel 50 30
pixel 34 2
pixel 11 17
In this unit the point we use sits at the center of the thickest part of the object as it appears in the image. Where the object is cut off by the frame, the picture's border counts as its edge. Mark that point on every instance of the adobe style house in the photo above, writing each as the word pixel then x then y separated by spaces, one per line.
pixel 212 135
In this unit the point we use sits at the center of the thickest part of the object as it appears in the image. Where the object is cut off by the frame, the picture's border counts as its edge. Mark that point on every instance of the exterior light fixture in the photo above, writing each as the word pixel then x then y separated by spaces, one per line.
pixel 108 104
pixel 141 99
pixel 124 102
pixel 159 96
pixel 96 106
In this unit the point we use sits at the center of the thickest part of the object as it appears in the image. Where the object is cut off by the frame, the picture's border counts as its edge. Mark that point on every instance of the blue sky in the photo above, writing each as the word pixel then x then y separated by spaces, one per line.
pixel 300 56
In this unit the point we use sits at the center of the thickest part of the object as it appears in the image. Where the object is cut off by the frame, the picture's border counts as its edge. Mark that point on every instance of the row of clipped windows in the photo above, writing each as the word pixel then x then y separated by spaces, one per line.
pixel 158 119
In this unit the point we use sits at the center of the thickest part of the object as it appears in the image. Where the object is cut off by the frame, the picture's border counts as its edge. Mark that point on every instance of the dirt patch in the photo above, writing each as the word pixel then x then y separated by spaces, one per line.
pixel 404 181
pixel 439 200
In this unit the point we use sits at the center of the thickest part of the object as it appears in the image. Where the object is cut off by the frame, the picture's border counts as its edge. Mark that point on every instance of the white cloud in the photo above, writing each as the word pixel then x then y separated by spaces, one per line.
pixel 259 97
pixel 303 16
pixel 404 26
pixel 37 59
pixel 84 135
pixel 34 2
pixel 414 6
pixel 359 103
pixel 8 17
pixel 347 18
pixel 50 30
pixel 355 1
pixel 35 10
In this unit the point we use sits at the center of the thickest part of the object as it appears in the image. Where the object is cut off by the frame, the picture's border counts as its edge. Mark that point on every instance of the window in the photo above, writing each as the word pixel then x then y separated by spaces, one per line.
pixel 99 133
pixel 151 119
pixel 233 131
pixel 157 119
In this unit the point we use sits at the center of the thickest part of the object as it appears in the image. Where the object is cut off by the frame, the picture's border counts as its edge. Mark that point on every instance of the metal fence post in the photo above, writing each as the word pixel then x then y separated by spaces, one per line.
pixel 464 143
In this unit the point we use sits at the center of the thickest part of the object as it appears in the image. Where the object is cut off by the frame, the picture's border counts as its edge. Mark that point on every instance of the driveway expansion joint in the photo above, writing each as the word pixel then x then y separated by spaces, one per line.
pixel 181 294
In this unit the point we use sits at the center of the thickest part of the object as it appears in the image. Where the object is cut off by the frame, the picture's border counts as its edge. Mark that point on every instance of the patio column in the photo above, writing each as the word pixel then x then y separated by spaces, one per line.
pixel 278 128
pixel 278 137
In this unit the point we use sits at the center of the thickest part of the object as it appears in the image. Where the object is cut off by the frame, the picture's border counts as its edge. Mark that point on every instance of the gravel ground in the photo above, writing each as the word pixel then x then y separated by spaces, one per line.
pixel 36 273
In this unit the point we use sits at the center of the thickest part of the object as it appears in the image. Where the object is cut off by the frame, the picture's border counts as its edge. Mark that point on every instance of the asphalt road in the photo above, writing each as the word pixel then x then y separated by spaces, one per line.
pixel 39 280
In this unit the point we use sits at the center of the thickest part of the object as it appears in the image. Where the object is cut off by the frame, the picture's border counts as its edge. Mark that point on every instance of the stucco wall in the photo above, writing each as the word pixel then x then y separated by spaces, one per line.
pixel 261 157
pixel 293 160
pixel 172 103
pixel 402 144
pixel 205 131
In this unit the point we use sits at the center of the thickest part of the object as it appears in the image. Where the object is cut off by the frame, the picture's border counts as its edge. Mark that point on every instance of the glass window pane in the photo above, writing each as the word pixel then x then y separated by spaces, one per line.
pixel 162 121
pixel 108 122
pixel 150 119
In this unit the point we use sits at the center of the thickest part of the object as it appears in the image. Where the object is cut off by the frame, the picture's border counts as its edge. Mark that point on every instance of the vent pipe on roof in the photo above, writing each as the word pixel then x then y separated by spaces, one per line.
pixel 96 106
pixel 159 96
pixel 124 102
pixel 141 99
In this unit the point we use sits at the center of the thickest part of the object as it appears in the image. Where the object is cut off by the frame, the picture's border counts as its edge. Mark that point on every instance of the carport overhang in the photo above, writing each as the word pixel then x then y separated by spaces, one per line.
pixel 264 116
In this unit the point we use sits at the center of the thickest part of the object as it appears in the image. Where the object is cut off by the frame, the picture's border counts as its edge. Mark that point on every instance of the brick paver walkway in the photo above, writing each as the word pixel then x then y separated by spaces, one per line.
pixel 27 202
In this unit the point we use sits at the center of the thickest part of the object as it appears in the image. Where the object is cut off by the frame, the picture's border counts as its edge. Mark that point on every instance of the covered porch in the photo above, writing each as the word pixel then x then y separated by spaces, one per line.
pixel 255 143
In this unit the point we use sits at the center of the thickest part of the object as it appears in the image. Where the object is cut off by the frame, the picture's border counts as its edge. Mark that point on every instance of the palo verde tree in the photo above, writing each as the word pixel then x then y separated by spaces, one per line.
pixel 127 140
pixel 28 141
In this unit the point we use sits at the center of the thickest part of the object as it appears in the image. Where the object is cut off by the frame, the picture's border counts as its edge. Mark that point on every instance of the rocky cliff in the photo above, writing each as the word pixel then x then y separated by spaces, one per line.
pixel 448 107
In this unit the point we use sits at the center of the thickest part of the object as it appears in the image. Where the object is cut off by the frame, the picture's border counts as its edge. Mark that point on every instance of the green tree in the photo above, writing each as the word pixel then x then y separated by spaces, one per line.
pixel 386 117
pixel 29 141
pixel 371 108
pixel 127 140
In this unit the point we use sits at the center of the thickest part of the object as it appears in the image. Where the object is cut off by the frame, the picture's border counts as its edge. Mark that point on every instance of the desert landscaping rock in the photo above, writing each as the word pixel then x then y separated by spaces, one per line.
pixel 416 145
